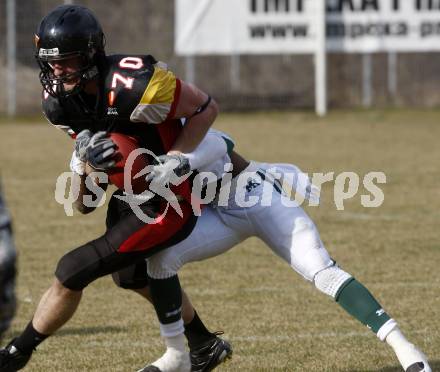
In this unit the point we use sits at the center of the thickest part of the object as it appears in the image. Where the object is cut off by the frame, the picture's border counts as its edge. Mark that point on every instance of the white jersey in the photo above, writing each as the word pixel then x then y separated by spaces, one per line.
pixel 219 165
pixel 285 178
pixel 255 206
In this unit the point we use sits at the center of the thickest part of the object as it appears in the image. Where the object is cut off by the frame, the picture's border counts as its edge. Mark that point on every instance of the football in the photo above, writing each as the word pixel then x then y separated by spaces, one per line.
pixel 125 145
pixel 138 162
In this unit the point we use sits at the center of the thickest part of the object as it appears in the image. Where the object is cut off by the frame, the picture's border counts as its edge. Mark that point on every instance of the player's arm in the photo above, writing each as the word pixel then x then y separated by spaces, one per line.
pixel 88 187
pixel 200 110
pixel 86 193
pixel 214 146
pixel 92 154
pixel 167 97
pixel 79 183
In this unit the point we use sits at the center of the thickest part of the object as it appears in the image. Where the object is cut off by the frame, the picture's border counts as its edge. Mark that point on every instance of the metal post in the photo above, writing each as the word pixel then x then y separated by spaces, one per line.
pixel 235 72
pixel 392 75
pixel 11 51
pixel 367 73
pixel 321 62
pixel 190 69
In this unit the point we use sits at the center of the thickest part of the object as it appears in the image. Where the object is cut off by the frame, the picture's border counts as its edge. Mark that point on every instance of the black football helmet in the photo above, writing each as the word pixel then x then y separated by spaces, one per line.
pixel 68 31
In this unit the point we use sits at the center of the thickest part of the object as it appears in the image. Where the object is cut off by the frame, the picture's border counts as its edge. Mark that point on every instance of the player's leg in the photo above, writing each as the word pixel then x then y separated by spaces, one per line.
pixel 188 311
pixel 74 272
pixel 7 278
pixel 207 349
pixel 209 238
pixel 292 235
pixel 135 278
pixel 55 308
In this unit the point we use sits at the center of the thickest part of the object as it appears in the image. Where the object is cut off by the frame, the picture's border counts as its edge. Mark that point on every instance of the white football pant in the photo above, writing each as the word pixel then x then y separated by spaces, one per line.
pixel 287 230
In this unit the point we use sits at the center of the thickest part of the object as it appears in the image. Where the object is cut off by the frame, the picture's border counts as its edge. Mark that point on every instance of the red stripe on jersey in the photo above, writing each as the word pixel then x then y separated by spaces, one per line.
pixel 151 235
pixel 169 130
pixel 175 100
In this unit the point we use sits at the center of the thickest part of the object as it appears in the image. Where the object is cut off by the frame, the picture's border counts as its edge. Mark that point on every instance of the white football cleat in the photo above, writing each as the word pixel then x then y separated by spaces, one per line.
pixel 172 361
pixel 419 367
pixel 413 360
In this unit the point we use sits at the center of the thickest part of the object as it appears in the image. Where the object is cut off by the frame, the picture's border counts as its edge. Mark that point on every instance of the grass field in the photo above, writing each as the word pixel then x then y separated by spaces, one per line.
pixel 275 320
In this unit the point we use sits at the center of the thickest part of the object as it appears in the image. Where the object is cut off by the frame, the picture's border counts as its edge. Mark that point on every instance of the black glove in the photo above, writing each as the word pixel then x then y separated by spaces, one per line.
pixel 169 167
pixel 100 152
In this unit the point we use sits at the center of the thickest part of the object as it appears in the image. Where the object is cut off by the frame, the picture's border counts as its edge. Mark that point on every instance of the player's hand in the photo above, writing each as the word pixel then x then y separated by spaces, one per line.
pixel 168 168
pixel 81 142
pixel 101 151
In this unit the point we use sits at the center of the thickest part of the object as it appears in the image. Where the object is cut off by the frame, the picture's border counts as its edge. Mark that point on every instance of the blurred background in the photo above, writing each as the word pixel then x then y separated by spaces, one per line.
pixel 274 319
pixel 264 81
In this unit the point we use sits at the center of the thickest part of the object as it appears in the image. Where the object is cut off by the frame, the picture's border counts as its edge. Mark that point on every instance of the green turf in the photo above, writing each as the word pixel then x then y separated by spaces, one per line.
pixel 275 320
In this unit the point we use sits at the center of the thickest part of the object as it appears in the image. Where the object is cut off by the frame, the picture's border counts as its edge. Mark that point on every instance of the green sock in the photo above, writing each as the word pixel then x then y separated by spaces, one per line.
pixel 360 303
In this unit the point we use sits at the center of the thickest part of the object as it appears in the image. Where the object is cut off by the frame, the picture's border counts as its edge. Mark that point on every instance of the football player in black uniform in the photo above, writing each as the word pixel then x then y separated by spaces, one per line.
pixel 7 269
pixel 89 94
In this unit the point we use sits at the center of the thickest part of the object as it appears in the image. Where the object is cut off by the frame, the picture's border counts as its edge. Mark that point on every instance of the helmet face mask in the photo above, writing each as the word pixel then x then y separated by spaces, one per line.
pixel 68 33
pixel 69 83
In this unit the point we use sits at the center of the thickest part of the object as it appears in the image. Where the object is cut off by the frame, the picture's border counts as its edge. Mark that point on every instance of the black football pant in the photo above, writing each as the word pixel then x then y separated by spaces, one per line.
pixel 122 251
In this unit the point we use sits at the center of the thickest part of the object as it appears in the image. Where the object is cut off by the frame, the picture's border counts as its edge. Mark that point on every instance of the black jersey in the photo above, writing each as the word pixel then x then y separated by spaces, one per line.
pixel 137 96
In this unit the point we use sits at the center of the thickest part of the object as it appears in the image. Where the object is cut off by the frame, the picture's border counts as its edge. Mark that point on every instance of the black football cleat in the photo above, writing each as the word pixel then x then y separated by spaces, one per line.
pixel 418 367
pixel 12 359
pixel 210 354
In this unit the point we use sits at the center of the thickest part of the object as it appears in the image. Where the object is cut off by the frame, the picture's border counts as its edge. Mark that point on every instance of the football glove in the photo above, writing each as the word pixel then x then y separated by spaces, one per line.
pixel 81 142
pixel 100 152
pixel 168 168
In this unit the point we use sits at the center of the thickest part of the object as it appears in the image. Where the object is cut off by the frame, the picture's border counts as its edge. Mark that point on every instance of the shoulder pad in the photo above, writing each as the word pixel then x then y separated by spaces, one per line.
pixel 54 113
pixel 52 109
pixel 126 78
pixel 140 89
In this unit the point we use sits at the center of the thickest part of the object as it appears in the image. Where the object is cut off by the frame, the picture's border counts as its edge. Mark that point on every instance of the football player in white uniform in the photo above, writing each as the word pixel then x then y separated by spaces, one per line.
pixel 254 201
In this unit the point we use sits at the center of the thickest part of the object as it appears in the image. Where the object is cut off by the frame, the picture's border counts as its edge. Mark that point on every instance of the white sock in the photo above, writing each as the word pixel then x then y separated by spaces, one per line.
pixel 176 342
pixel 172 329
pixel 405 351
pixel 176 358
